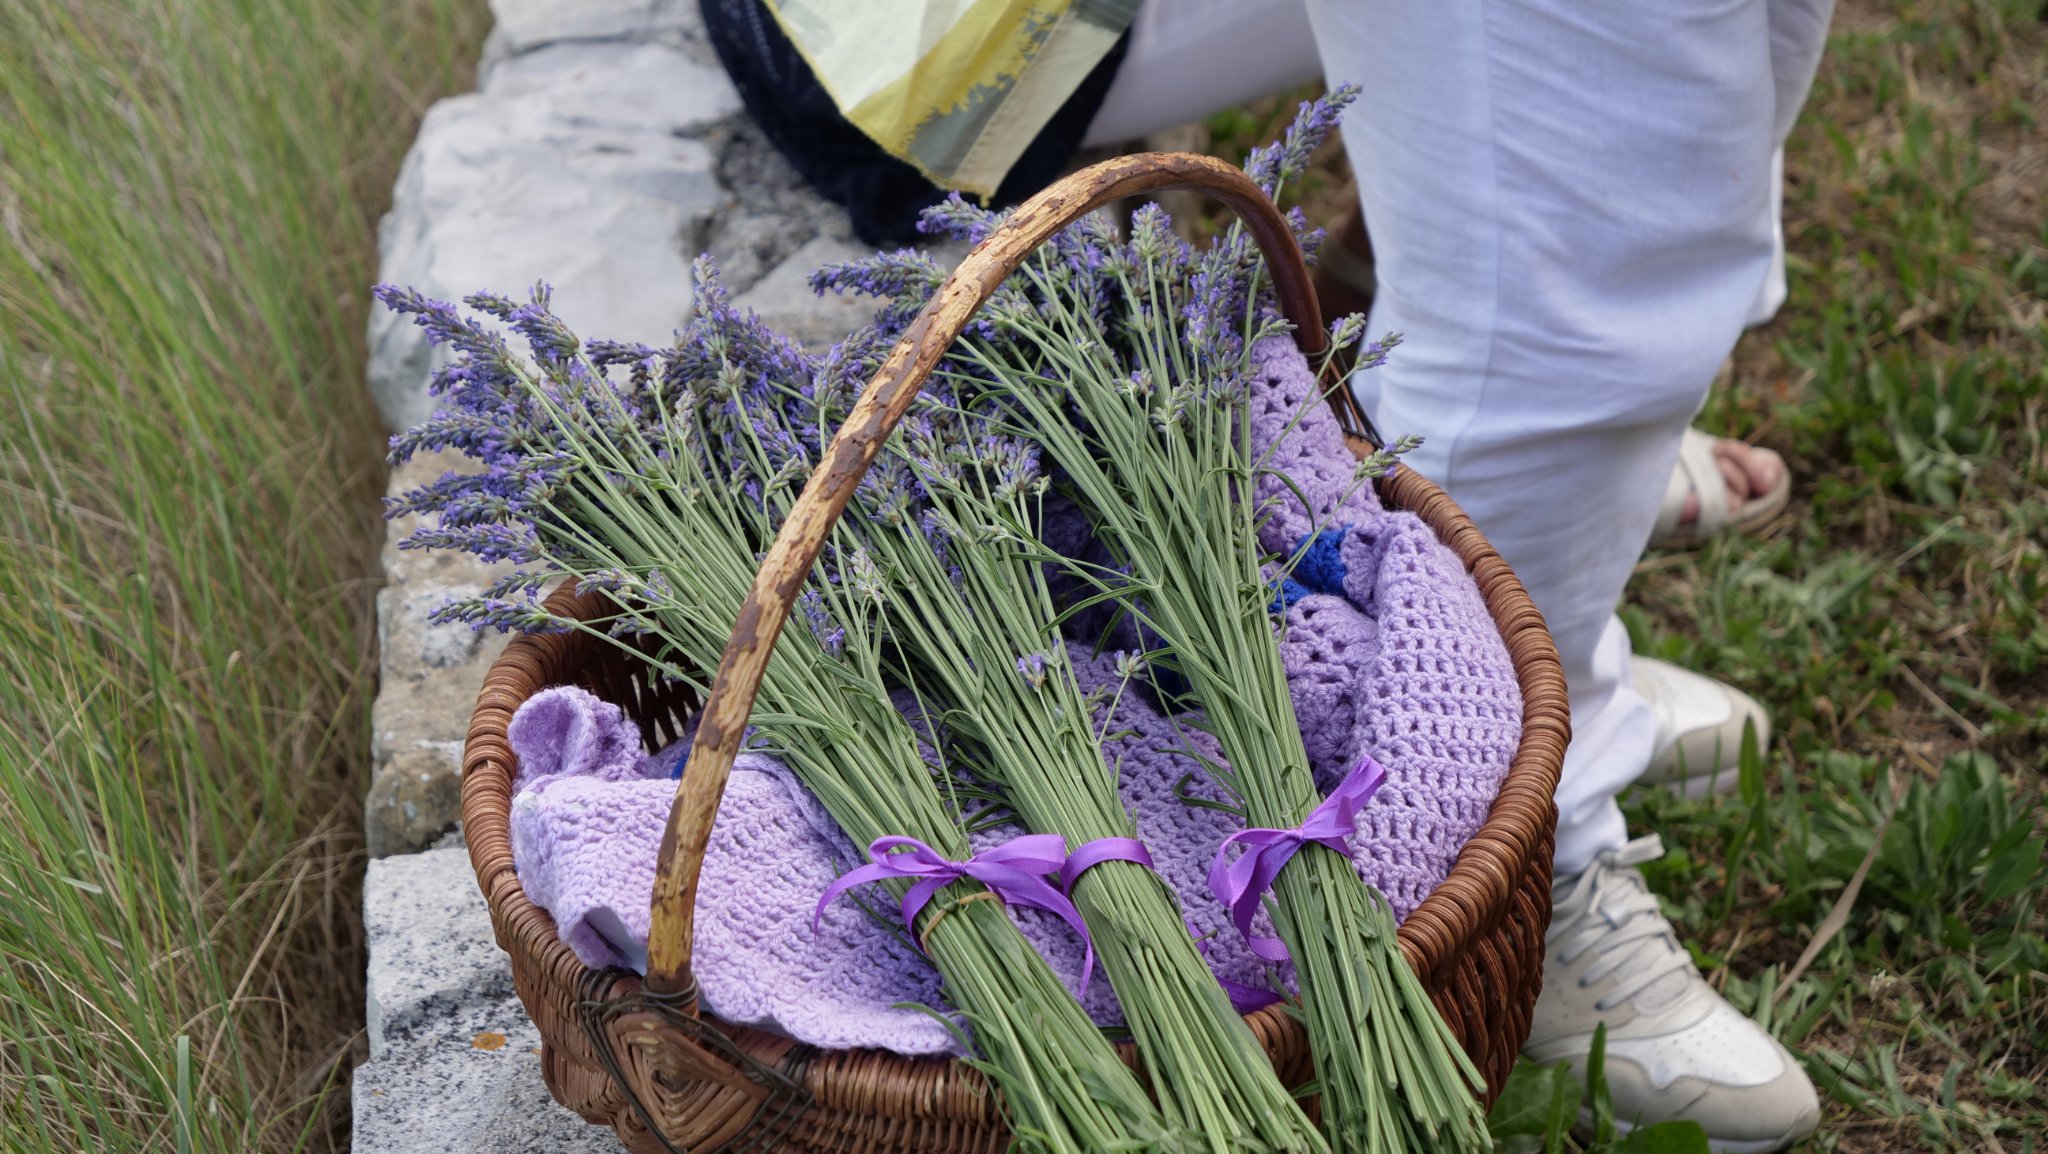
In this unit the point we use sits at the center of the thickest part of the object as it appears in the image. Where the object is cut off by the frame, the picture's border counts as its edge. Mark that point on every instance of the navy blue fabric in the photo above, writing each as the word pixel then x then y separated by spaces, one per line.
pixel 882 194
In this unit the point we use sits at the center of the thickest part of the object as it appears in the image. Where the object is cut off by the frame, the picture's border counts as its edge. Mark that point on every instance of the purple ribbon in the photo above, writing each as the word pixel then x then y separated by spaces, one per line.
pixel 1240 884
pixel 1014 871
pixel 1247 999
pixel 1243 998
pixel 1100 850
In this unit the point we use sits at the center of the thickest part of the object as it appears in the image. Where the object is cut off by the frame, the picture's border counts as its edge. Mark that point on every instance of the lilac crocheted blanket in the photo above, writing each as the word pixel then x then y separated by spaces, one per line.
pixel 1388 649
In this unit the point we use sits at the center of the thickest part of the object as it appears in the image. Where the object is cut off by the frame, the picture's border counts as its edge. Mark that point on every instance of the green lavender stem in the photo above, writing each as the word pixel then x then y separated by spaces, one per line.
pixel 1164 470
pixel 681 545
pixel 1037 741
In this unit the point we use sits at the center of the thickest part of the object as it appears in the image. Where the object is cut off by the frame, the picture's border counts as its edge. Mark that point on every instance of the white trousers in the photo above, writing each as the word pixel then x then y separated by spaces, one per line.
pixel 1573 210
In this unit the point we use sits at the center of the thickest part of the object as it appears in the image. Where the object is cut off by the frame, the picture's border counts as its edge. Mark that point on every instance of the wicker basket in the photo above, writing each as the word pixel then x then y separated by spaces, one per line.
pixel 636 1054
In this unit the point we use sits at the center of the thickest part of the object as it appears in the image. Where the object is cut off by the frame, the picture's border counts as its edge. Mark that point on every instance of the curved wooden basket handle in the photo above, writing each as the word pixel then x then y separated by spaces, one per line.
pixel 884 402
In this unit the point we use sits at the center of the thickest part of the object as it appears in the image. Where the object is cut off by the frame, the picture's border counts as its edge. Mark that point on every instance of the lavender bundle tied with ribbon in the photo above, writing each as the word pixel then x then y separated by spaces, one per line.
pixel 948 520
pixel 1013 872
pixel 1240 884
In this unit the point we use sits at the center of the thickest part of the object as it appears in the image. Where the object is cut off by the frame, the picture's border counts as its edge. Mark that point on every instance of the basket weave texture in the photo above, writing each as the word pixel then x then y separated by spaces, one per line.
pixel 638 1056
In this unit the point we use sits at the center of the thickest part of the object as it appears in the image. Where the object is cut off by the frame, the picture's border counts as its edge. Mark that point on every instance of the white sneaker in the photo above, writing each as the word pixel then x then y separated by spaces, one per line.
pixel 1675 1049
pixel 1699 727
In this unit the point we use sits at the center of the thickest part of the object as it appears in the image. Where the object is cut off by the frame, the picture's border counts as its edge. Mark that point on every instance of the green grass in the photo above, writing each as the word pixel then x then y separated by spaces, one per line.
pixel 188 540
pixel 1895 620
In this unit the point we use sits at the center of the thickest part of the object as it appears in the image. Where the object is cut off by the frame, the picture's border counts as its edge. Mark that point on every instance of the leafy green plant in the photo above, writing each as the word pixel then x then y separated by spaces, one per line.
pixel 1547 1109
pixel 1958 849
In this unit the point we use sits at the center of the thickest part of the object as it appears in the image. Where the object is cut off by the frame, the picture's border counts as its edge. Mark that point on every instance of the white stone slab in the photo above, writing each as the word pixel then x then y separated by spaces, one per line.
pixel 600 216
pixel 434 963
pixel 428 678
pixel 597 156
pixel 621 84
pixel 454 1059
pixel 445 1093
pixel 522 26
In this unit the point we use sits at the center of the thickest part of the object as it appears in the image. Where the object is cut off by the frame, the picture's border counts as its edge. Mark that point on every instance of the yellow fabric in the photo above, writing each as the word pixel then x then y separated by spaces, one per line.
pixel 958 88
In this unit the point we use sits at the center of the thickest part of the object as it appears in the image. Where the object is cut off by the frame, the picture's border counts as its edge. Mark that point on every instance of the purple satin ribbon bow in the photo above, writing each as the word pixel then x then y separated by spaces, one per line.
pixel 1240 884
pixel 1014 871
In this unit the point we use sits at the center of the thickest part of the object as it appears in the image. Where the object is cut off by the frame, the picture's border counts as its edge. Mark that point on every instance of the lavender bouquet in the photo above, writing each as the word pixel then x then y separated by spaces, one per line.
pixel 1127 364
pixel 658 478
pixel 951 517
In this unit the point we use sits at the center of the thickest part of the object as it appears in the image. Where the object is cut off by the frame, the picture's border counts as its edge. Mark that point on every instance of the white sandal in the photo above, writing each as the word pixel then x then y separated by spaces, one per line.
pixel 1698 472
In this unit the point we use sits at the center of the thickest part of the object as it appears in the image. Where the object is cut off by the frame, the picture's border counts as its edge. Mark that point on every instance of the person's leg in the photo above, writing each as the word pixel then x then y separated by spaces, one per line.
pixel 1188 58
pixel 1799 31
pixel 1771 297
pixel 1754 479
pixel 1569 209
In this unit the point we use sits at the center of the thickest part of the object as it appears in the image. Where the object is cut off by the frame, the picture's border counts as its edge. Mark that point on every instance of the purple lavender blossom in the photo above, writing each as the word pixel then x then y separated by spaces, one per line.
pixel 1288 158
pixel 1031 667
pixel 617 582
pixel 506 416
pixel 830 635
pixel 736 408
pixel 490 543
pixel 1374 354
pixel 512 615
pixel 959 219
